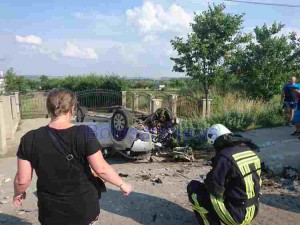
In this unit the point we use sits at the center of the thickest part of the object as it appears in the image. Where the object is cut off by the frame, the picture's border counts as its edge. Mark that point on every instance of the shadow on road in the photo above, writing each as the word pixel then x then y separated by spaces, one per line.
pixel 117 159
pixel 286 202
pixel 146 209
pixel 12 220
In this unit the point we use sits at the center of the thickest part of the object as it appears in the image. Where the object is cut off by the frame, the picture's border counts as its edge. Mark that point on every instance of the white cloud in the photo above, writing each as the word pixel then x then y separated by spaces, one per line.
pixel 74 51
pixel 79 15
pixel 98 18
pixel 287 30
pixel 95 16
pixel 170 52
pixel 30 39
pixel 130 53
pixel 150 38
pixel 151 18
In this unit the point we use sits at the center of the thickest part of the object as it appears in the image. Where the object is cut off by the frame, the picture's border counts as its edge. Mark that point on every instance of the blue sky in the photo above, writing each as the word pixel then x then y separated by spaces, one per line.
pixel 131 38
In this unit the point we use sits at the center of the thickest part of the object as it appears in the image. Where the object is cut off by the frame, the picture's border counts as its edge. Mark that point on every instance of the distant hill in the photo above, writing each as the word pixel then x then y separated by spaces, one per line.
pixel 33 77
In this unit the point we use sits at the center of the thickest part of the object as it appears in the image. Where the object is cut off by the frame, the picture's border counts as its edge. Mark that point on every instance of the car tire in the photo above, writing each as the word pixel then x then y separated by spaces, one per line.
pixel 80 114
pixel 120 123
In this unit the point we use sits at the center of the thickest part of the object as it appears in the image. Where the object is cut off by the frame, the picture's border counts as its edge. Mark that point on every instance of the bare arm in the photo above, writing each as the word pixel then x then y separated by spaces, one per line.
pixel 22 180
pixel 106 172
pixel 297 93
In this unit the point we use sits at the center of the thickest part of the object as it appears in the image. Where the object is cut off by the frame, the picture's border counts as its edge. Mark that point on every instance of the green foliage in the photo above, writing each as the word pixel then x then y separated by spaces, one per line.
pixel 215 37
pixel 272 115
pixel 237 112
pixel 142 84
pixel 233 120
pixel 191 132
pixel 43 81
pixel 89 82
pixel 14 82
pixel 267 61
pixel 33 84
pixel 177 83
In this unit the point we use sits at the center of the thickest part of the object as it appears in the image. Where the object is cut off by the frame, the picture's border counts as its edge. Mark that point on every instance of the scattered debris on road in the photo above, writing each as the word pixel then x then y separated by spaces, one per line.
pixel 4 201
pixel 290 173
pixel 123 175
pixel 145 177
pixel 7 180
pixel 157 180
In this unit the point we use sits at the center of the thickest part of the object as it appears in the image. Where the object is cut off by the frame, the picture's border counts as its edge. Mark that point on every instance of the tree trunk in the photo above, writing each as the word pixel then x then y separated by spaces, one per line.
pixel 206 101
pixel 206 96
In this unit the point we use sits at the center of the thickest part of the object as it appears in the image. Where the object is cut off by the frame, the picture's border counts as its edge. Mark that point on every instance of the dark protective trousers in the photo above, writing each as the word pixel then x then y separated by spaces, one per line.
pixel 202 206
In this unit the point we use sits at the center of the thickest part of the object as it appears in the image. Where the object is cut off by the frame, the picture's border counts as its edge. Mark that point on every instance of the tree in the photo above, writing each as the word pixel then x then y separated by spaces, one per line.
pixel 113 82
pixel 215 36
pixel 267 61
pixel 33 84
pixel 14 82
pixel 10 80
pixel 44 82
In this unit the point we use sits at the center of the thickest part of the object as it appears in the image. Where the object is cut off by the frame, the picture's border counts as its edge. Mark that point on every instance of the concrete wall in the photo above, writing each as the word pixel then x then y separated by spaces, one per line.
pixel 9 119
pixel 3 146
pixel 8 122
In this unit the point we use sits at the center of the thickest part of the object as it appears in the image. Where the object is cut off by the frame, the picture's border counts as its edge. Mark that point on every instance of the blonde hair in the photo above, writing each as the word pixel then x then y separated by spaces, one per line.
pixel 60 101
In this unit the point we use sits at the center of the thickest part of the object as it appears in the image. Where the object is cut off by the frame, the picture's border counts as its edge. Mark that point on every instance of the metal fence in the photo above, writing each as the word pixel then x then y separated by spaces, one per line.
pixel 99 99
pixel 188 106
pixel 33 106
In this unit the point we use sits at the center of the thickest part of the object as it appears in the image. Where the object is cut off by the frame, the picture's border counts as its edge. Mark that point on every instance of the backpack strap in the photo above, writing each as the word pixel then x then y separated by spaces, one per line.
pixel 60 146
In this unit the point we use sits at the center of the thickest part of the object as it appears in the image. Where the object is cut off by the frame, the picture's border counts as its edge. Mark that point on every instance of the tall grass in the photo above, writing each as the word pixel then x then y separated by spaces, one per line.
pixel 236 102
pixel 235 111
pixel 241 113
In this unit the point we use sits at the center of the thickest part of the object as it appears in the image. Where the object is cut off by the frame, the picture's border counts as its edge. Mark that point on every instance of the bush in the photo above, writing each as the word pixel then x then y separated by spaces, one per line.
pixel 88 82
pixel 233 120
pixel 270 118
pixel 192 132
pixel 235 112
pixel 240 112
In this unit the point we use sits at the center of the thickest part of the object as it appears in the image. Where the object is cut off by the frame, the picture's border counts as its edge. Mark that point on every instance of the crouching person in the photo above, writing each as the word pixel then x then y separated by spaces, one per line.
pixel 230 192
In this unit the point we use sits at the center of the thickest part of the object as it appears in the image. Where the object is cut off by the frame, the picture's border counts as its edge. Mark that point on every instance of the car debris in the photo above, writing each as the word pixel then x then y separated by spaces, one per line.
pixel 290 173
pixel 182 154
pixel 157 180
pixel 130 135
pixel 145 177
pixel 123 175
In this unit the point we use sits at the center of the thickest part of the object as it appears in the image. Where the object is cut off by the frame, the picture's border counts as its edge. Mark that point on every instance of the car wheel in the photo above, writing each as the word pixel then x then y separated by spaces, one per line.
pixel 120 123
pixel 80 114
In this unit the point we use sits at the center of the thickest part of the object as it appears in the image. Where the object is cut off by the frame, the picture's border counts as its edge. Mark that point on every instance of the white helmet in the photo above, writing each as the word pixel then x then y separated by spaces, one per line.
pixel 216 131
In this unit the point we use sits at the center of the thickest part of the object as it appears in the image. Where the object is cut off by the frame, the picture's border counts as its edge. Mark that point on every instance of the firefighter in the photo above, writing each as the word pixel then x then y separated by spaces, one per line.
pixel 230 192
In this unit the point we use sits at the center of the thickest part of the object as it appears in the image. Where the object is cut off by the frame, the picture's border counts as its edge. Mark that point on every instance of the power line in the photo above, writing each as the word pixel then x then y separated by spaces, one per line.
pixel 264 3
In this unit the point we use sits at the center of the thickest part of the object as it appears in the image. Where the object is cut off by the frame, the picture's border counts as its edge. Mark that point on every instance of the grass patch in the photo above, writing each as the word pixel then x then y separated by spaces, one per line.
pixel 236 112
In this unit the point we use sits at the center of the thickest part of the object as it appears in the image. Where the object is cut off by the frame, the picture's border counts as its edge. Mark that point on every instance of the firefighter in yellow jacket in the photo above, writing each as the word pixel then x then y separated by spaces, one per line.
pixel 230 192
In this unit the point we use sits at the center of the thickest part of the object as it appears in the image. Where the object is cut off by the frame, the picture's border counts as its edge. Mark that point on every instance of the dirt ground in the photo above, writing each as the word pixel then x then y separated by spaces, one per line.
pixel 151 203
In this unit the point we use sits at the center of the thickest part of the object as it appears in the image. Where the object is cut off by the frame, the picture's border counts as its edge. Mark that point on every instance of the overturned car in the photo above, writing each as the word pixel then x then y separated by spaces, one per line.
pixel 129 134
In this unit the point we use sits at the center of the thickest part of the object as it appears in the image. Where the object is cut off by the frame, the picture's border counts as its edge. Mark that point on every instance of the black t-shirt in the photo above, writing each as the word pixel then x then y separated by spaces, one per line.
pixel 65 194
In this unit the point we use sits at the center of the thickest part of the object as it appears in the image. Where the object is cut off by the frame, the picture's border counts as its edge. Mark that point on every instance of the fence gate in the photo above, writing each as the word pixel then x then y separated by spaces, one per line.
pixel 99 99
pixel 188 106
pixel 32 106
